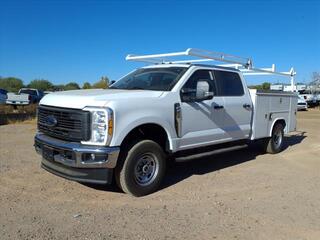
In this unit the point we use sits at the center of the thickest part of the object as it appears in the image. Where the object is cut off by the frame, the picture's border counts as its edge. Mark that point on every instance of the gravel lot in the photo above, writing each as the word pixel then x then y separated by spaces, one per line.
pixel 237 195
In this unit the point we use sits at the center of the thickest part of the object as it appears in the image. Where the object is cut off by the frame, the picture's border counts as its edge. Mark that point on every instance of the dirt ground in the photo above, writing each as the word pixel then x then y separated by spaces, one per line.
pixel 237 195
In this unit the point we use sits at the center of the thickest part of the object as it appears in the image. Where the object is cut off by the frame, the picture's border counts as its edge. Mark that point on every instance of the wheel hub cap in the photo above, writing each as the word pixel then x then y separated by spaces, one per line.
pixel 277 138
pixel 146 169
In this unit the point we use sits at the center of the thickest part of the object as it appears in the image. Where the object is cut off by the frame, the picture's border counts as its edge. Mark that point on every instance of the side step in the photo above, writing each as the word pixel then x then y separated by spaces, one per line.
pixel 209 153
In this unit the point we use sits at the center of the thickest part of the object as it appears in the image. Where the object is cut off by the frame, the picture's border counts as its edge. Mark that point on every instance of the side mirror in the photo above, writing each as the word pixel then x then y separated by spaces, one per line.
pixel 112 82
pixel 202 92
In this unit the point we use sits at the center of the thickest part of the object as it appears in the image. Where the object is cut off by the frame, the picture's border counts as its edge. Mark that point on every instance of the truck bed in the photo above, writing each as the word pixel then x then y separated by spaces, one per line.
pixel 270 106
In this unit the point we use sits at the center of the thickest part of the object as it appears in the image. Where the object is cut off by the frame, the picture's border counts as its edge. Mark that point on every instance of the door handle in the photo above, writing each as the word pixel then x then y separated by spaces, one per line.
pixel 247 106
pixel 218 107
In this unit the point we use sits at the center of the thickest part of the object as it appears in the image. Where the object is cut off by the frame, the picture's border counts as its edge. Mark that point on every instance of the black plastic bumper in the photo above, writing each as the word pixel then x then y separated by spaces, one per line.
pixel 88 175
pixel 70 159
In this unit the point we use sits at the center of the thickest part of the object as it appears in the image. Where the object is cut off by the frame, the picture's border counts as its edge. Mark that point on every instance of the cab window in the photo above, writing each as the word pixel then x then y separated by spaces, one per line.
pixel 199 75
pixel 228 83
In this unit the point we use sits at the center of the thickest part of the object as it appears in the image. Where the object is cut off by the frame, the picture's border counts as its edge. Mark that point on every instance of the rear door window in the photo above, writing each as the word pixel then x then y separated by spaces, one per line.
pixel 228 83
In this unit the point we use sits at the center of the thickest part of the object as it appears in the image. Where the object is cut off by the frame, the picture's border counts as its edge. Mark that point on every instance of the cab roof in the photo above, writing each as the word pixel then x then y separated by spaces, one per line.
pixel 189 65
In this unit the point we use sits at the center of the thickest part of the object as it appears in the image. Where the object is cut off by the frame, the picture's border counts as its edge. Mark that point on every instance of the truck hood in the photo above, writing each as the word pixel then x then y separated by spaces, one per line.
pixel 79 99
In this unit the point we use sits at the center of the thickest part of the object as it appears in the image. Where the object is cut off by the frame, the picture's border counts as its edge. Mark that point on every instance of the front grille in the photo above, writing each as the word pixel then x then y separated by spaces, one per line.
pixel 70 124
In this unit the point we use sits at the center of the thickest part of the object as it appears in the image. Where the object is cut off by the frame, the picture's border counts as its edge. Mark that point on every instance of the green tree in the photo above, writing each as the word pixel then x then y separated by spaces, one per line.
pixel 59 87
pixel 71 86
pixel 41 84
pixel 11 84
pixel 86 85
pixel 265 86
pixel 103 83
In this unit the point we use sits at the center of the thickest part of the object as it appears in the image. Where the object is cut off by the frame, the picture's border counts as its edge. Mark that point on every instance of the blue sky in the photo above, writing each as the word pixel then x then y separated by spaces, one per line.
pixel 80 41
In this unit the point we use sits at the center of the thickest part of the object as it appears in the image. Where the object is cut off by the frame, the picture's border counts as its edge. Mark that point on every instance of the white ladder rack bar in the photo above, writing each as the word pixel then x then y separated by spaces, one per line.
pixel 221 57
pixel 260 71
pixel 243 64
pixel 204 55
pixel 264 71
pixel 155 58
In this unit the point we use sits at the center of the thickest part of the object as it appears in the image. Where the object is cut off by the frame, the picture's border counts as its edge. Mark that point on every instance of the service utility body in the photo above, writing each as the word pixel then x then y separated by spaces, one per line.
pixel 168 110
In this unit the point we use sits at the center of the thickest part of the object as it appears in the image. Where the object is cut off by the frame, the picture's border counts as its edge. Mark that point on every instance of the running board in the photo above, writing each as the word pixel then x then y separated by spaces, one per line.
pixel 209 153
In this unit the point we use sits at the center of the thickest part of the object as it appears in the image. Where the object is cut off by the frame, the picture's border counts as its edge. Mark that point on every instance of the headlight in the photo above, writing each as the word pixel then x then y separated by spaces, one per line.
pixel 101 126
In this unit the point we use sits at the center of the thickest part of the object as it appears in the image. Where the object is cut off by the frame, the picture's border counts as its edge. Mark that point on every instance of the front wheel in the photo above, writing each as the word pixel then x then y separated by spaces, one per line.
pixel 141 168
pixel 274 144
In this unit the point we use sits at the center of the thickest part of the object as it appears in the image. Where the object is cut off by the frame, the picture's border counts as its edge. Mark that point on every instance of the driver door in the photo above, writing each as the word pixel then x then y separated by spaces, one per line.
pixel 201 120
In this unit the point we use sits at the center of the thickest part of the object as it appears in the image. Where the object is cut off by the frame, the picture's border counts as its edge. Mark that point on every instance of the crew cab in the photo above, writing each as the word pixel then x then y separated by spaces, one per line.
pixel 25 96
pixel 170 110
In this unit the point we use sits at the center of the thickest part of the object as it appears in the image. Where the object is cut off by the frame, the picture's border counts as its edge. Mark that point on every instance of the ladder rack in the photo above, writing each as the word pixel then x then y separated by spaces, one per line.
pixel 204 55
pixel 245 65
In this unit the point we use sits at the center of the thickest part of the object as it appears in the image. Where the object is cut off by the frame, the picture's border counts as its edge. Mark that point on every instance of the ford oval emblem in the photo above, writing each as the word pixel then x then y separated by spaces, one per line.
pixel 50 121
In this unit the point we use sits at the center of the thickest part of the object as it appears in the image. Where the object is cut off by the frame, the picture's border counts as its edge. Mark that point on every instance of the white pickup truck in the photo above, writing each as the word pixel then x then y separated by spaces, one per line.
pixel 171 110
pixel 25 96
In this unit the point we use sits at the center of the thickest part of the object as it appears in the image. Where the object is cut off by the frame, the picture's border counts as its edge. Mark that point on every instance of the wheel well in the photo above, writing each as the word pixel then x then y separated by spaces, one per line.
pixel 150 131
pixel 281 121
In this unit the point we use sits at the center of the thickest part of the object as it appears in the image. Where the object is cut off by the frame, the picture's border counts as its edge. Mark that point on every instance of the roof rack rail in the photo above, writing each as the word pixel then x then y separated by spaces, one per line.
pixel 204 55
pixel 245 65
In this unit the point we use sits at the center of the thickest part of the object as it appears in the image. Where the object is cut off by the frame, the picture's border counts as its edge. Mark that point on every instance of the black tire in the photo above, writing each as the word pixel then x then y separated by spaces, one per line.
pixel 141 168
pixel 274 144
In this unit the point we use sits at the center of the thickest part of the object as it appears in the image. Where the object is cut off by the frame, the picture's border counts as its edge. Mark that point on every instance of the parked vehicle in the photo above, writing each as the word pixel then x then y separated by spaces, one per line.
pixel 302 104
pixel 311 98
pixel 317 97
pixel 171 110
pixel 25 97
pixel 3 96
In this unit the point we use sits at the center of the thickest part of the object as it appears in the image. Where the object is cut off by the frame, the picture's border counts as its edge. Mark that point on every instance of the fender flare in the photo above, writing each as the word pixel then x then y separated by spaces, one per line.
pixel 122 135
pixel 273 123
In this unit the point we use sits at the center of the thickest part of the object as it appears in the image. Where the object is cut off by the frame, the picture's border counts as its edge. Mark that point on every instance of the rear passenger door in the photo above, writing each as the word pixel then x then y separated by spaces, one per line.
pixel 237 104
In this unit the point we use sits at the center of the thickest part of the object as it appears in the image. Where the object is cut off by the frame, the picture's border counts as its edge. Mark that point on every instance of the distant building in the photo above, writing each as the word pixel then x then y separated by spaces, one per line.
pixel 287 87
pixel 278 87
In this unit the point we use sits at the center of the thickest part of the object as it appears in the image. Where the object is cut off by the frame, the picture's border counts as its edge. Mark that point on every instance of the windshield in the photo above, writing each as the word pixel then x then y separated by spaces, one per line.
pixel 2 91
pixel 28 91
pixel 158 79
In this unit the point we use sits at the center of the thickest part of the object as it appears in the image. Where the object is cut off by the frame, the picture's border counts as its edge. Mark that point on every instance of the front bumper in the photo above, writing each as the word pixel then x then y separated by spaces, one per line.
pixel 72 160
pixel 17 102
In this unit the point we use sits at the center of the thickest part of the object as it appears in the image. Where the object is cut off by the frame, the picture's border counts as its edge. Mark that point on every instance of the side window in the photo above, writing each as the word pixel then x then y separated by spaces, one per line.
pixel 199 75
pixel 228 83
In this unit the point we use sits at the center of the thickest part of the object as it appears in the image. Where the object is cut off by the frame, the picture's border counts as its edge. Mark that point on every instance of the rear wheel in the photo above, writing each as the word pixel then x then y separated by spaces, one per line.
pixel 274 144
pixel 141 168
